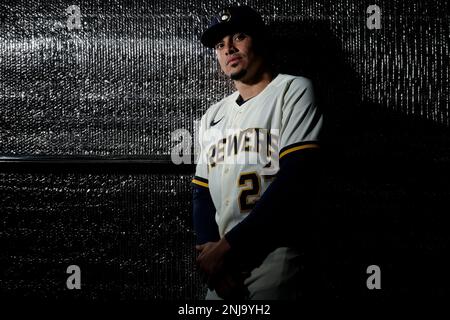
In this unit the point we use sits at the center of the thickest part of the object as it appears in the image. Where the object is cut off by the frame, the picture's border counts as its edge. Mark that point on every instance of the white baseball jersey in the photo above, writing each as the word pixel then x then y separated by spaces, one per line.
pixel 240 145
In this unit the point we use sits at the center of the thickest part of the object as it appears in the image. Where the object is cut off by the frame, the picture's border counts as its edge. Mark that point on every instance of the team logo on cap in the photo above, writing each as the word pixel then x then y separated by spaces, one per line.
pixel 225 16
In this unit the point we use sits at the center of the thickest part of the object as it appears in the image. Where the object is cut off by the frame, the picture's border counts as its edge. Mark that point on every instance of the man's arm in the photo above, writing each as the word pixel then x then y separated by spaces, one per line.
pixel 203 208
pixel 284 213
pixel 204 212
pixel 283 216
pixel 226 282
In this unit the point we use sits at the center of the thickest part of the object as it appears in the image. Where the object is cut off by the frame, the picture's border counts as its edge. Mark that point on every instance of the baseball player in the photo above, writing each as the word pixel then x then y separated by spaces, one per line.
pixel 251 187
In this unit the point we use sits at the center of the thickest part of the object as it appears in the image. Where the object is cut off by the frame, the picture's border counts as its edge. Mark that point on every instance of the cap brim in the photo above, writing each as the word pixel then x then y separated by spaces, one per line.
pixel 215 33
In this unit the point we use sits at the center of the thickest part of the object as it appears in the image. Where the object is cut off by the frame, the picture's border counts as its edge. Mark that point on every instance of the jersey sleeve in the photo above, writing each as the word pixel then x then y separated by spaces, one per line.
pixel 301 120
pixel 201 171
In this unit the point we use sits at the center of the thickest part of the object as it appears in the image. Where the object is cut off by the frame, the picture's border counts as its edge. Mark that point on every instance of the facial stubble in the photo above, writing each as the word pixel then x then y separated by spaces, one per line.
pixel 238 75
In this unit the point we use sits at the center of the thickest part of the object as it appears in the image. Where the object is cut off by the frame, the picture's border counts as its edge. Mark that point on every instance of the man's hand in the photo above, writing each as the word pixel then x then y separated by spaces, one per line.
pixel 211 256
pixel 211 261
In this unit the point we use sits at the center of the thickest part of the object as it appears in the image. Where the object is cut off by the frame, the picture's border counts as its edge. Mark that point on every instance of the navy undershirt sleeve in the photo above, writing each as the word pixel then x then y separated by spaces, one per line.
pixel 283 215
pixel 204 212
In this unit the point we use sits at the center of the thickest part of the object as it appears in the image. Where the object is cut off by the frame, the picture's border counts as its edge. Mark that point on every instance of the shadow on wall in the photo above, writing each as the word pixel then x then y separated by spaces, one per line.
pixel 384 184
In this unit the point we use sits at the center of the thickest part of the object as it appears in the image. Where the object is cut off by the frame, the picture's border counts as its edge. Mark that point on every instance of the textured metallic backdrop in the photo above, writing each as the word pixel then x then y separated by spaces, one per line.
pixel 135 72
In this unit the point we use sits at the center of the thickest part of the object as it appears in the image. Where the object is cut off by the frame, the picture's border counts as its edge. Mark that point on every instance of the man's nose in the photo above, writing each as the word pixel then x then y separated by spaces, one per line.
pixel 230 48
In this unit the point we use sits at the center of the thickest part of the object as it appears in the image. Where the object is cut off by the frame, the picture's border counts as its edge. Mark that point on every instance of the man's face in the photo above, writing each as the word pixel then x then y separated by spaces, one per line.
pixel 237 57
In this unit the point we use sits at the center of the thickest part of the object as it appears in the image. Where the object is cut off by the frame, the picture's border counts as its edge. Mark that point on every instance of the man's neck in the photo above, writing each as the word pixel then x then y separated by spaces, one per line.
pixel 249 89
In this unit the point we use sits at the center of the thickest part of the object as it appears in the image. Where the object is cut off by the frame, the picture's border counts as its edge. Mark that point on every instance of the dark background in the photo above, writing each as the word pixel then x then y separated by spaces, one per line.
pixel 85 136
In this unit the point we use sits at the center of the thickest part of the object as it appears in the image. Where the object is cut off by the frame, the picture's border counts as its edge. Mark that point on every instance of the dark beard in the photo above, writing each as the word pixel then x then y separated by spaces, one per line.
pixel 238 75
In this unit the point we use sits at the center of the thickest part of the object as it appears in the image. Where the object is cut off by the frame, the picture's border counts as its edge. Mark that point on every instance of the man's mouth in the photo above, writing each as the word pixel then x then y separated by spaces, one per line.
pixel 234 59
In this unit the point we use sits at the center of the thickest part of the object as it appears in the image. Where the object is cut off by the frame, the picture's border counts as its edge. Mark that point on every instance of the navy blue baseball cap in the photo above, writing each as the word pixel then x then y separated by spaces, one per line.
pixel 231 20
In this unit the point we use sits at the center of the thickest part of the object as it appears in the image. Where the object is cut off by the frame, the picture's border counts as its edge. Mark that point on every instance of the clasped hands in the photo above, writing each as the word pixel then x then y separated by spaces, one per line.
pixel 213 267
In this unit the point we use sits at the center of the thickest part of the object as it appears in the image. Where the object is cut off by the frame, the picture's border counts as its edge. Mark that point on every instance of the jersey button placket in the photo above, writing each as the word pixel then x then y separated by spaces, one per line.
pixel 225 172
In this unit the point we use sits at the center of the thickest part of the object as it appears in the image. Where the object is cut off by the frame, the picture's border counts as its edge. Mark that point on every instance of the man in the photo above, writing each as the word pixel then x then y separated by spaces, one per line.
pixel 253 182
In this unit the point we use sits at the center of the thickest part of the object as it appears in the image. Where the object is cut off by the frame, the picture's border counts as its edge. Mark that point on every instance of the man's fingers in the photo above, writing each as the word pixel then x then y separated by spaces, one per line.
pixel 200 256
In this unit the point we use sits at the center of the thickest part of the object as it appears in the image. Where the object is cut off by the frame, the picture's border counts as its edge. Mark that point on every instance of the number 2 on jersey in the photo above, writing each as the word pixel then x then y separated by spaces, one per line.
pixel 250 185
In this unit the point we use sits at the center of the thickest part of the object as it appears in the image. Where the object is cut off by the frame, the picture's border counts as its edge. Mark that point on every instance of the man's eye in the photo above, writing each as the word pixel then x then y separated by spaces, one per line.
pixel 239 36
pixel 219 45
